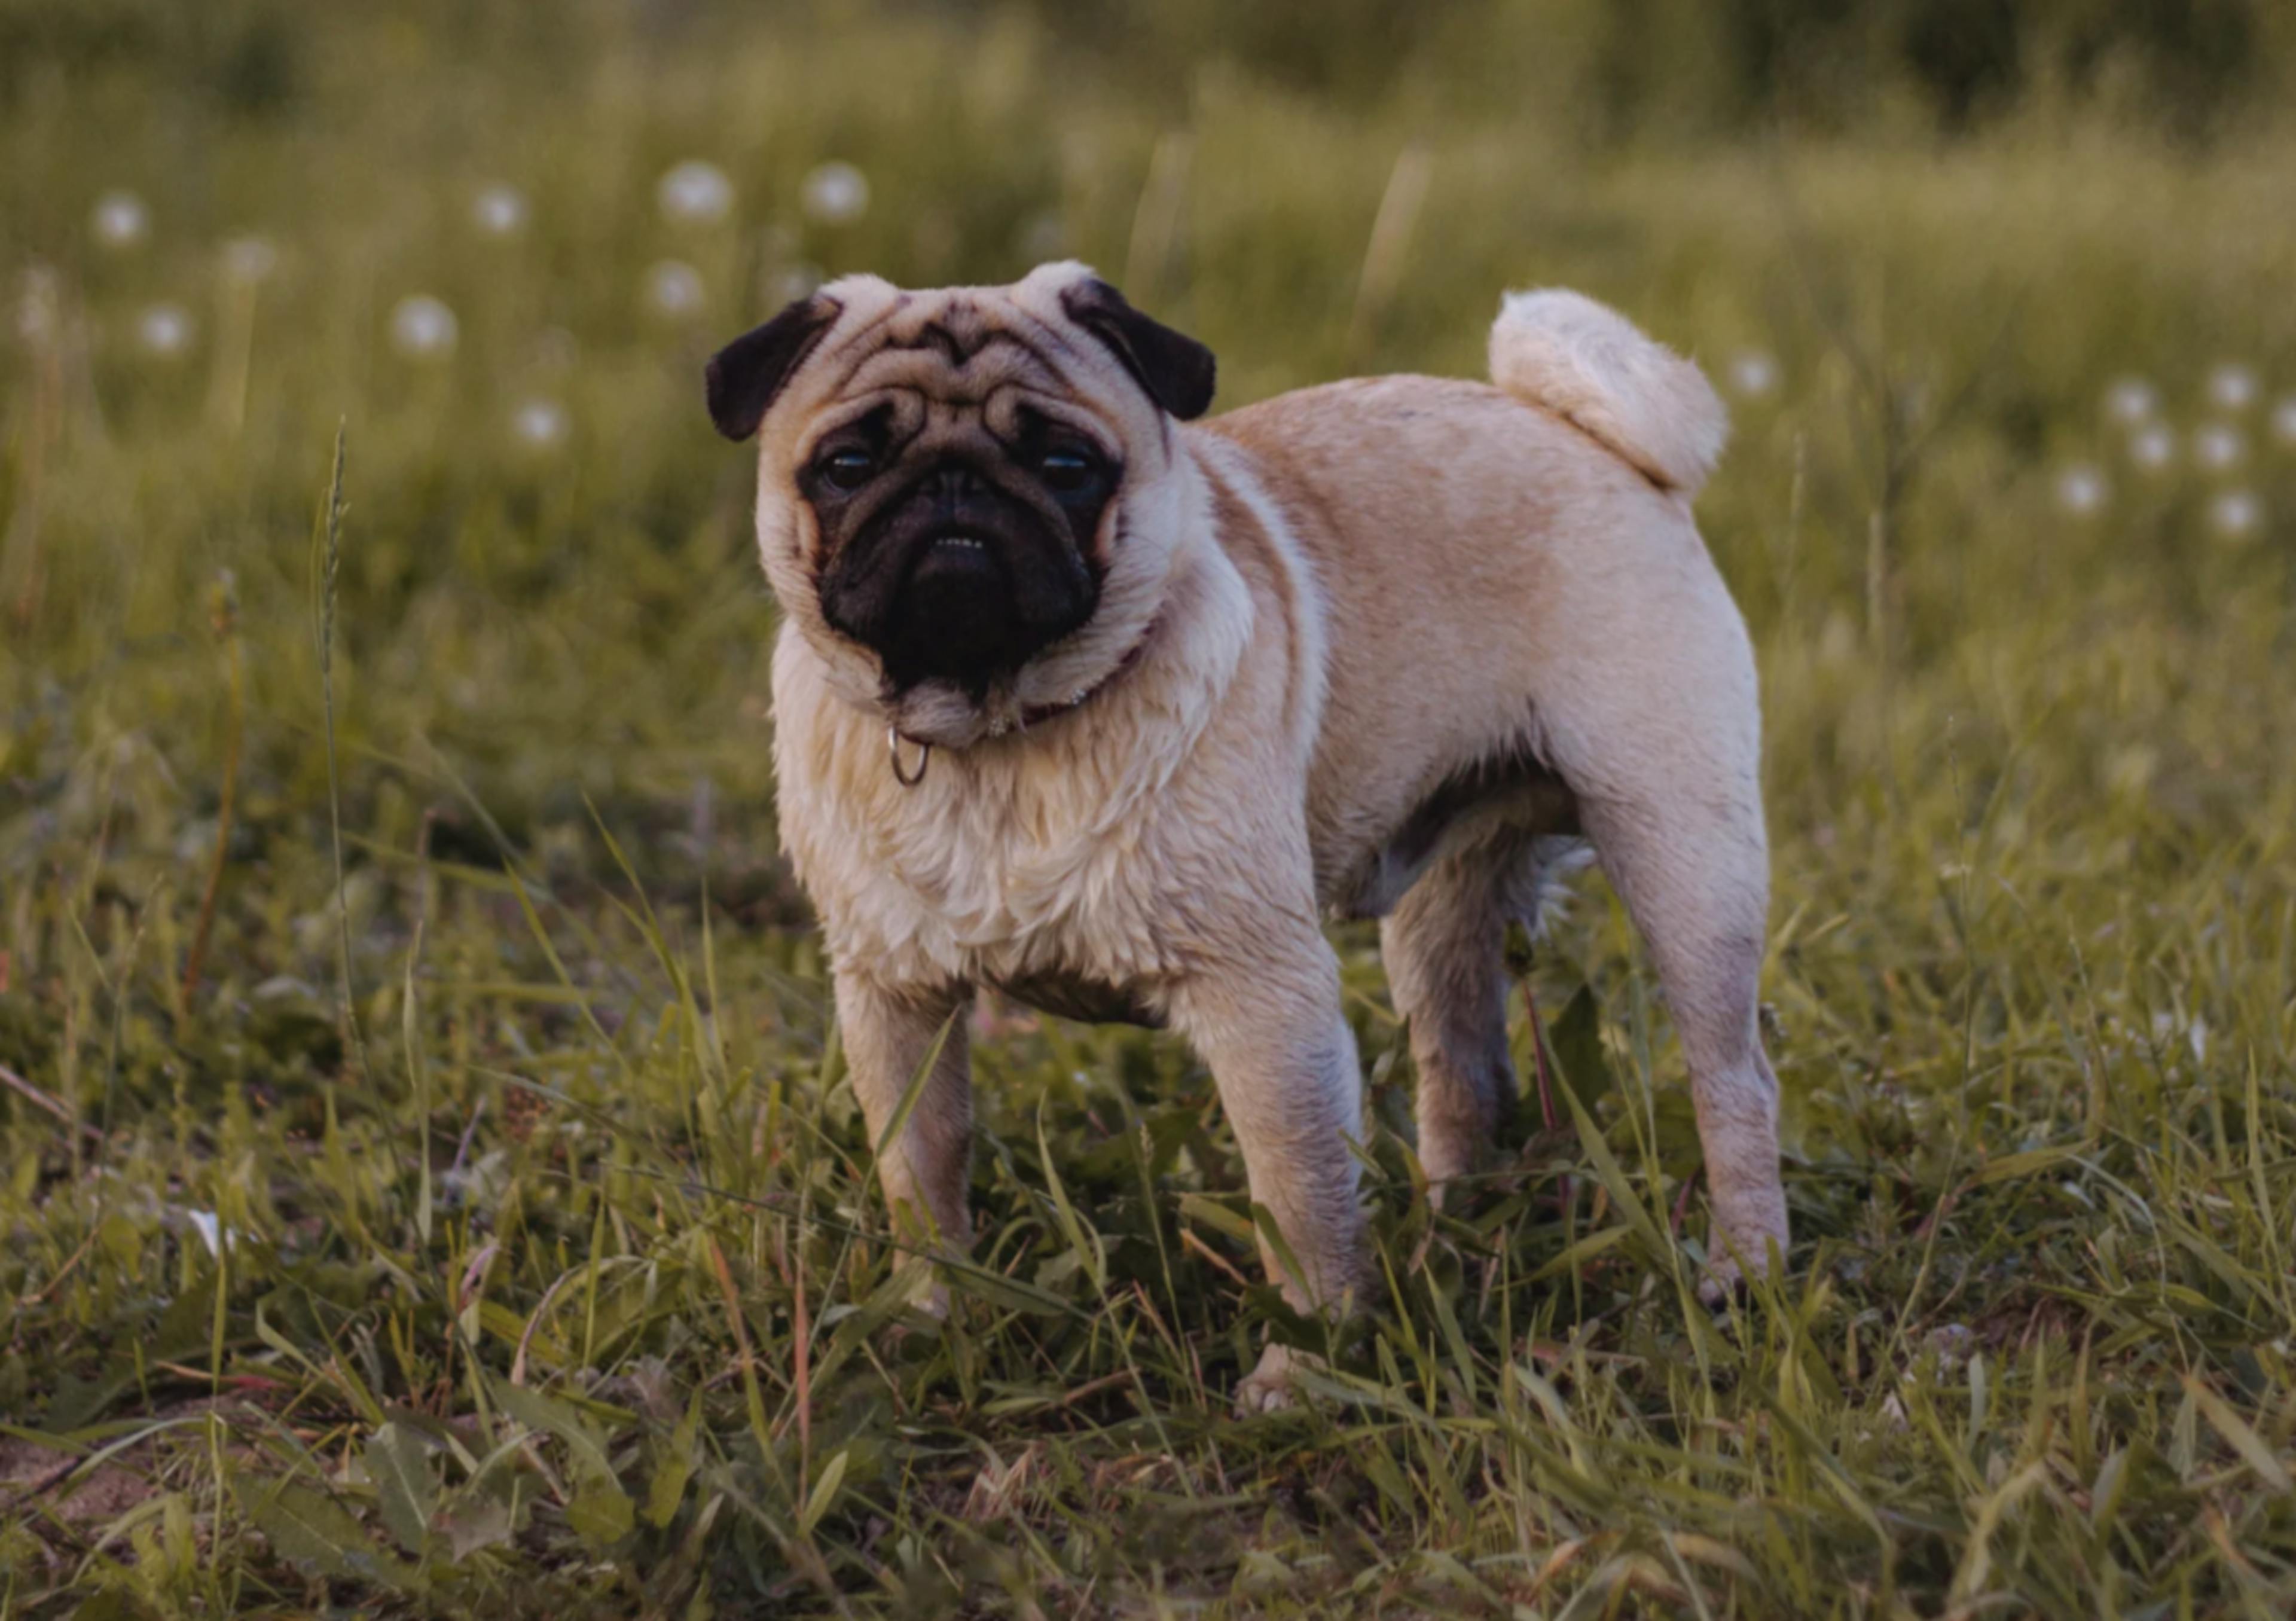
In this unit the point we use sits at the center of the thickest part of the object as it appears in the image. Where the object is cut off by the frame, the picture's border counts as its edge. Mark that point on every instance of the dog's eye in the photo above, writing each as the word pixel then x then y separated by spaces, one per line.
pixel 848 469
pixel 1067 471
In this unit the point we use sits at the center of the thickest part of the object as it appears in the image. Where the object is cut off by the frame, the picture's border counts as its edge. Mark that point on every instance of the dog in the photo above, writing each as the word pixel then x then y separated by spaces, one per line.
pixel 1084 697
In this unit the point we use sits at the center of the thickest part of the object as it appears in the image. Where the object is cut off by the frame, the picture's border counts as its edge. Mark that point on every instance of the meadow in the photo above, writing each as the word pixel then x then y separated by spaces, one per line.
pixel 427 1181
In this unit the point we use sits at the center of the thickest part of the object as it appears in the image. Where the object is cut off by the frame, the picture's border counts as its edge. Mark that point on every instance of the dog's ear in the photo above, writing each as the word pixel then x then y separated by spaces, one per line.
pixel 748 373
pixel 1177 370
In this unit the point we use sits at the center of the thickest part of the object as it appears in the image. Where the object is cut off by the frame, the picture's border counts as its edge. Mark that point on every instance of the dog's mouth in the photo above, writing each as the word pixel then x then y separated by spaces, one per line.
pixel 966 602
pixel 955 615
pixel 959 554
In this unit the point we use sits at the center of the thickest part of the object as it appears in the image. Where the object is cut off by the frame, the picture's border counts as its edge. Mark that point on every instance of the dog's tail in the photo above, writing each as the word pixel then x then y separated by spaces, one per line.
pixel 1588 365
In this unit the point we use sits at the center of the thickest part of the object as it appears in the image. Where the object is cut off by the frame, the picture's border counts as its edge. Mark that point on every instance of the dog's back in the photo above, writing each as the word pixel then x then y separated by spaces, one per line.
pixel 1478 551
pixel 1522 636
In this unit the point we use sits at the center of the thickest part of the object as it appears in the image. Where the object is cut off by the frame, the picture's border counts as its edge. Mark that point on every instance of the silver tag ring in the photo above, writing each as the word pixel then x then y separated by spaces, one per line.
pixel 893 748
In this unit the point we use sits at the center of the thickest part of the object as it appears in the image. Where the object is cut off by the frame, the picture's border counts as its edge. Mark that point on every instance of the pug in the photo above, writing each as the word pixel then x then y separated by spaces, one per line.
pixel 1082 696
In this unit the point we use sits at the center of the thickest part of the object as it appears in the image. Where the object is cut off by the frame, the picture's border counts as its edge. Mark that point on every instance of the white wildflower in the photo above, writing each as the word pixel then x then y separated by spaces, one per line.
pixel 2236 514
pixel 673 288
pixel 164 331
pixel 2220 447
pixel 793 282
pixel 2082 490
pixel 694 192
pixel 421 328
pixel 1044 238
pixel 2131 401
pixel 540 423
pixel 2153 448
pixel 836 194
pixel 39 303
pixel 1752 374
pixel 121 219
pixel 2232 387
pixel 249 260
pixel 499 210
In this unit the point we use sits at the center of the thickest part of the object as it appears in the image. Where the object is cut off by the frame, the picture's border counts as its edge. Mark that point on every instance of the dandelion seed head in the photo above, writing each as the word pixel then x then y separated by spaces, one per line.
pixel 1044 238
pixel 2131 401
pixel 2236 514
pixel 1752 374
pixel 539 423
pixel 2220 447
pixel 2082 490
pixel 164 331
pixel 421 328
pixel 2283 420
pixel 695 193
pixel 2153 448
pixel 38 306
pixel 673 288
pixel 791 283
pixel 836 194
pixel 557 349
pixel 2232 387
pixel 499 210
pixel 249 260
pixel 121 219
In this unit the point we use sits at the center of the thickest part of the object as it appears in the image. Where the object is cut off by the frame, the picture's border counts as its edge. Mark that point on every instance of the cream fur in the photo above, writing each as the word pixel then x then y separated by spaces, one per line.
pixel 1587 363
pixel 1349 595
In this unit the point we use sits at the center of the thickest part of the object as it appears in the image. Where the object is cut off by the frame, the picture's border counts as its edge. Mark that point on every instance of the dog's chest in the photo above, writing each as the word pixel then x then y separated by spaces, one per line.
pixel 1001 867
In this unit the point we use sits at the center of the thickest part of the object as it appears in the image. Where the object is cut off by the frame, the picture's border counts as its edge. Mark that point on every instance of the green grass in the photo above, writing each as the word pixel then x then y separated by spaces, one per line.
pixel 541 1273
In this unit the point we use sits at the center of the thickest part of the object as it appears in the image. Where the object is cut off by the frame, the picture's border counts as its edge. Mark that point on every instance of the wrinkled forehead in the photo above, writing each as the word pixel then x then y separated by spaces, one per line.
pixel 966 352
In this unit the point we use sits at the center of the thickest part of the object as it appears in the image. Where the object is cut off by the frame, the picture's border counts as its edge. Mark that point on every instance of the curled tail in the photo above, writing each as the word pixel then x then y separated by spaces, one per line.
pixel 1588 364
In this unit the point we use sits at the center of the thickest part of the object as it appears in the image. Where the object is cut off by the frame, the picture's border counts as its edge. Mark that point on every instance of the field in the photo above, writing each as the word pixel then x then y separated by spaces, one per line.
pixel 427 1184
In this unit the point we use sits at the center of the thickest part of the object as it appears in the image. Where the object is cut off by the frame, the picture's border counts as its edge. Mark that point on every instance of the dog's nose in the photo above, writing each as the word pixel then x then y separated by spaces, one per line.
pixel 953 482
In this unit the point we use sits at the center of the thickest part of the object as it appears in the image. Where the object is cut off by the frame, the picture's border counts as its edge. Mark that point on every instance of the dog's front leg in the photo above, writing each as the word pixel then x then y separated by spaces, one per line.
pixel 887 1031
pixel 1285 1059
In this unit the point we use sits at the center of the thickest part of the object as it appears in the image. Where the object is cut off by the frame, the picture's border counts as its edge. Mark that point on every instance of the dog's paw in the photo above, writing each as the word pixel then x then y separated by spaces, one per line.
pixel 1725 1281
pixel 1726 1276
pixel 923 1314
pixel 1268 1388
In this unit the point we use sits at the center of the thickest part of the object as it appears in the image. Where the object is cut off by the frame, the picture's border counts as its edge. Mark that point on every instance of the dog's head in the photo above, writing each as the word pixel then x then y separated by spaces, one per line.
pixel 967 496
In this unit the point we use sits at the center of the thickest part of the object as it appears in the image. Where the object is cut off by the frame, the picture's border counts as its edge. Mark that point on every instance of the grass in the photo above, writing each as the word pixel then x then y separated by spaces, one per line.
pixel 468 1217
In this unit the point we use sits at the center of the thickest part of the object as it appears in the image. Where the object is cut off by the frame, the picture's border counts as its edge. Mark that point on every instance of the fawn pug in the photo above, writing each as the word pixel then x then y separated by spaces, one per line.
pixel 1084 696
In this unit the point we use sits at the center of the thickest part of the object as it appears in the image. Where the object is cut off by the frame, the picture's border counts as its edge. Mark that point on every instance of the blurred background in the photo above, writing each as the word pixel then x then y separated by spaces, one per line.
pixel 1918 240
pixel 1998 294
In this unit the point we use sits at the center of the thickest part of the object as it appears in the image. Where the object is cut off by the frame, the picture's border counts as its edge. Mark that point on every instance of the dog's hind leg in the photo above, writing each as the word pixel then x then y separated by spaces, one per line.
pixel 1442 949
pixel 1660 747
pixel 1693 877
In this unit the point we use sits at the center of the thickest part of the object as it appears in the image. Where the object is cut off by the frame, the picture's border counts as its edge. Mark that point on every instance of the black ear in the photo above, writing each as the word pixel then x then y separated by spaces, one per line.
pixel 747 374
pixel 1177 370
